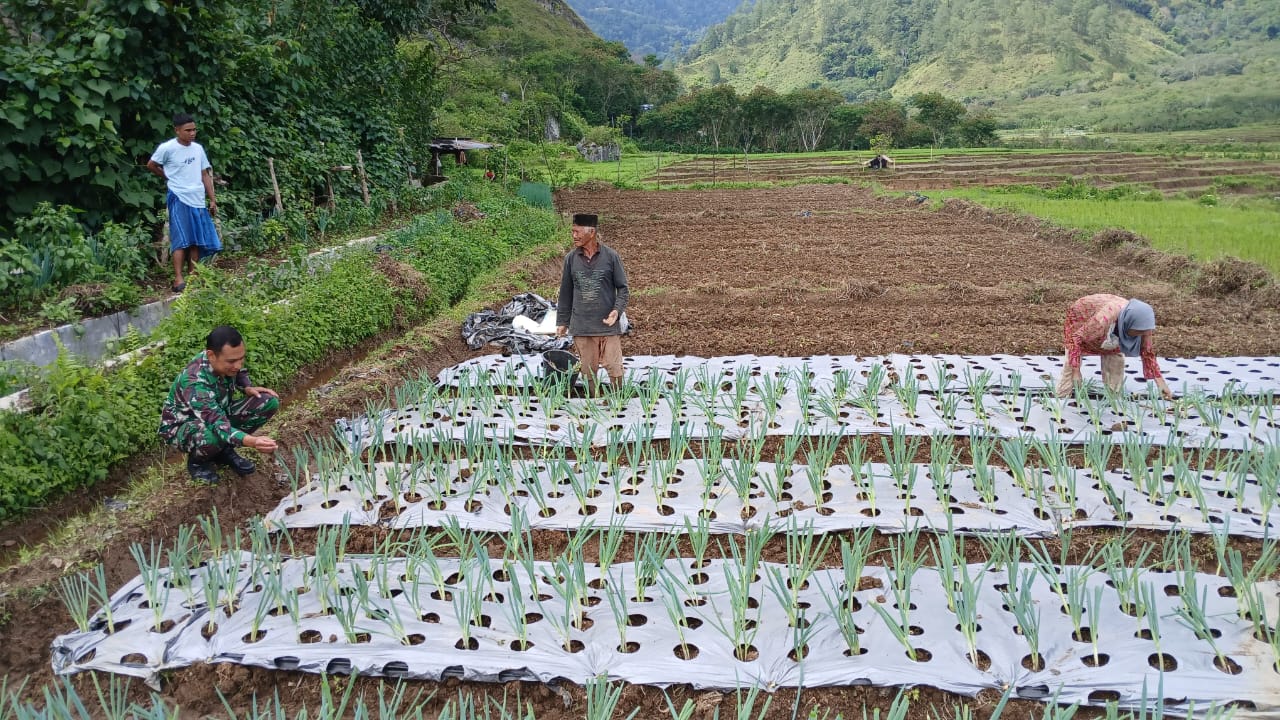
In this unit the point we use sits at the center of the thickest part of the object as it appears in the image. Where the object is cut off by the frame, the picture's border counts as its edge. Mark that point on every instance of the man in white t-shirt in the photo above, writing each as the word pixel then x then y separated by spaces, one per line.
pixel 186 170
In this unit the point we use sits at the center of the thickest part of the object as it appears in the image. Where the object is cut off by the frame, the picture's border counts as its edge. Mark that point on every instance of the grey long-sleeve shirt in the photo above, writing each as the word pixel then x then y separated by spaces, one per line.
pixel 589 289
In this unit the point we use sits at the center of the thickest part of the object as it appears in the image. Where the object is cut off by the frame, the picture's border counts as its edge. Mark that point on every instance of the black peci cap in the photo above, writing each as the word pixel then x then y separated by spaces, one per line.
pixel 586 219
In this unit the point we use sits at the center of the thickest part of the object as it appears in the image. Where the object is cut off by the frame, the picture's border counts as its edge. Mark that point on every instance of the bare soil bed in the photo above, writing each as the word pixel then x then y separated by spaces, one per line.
pixel 1168 174
pixel 798 271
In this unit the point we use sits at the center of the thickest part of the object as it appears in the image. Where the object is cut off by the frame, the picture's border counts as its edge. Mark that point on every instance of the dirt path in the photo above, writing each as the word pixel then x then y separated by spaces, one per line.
pixel 807 270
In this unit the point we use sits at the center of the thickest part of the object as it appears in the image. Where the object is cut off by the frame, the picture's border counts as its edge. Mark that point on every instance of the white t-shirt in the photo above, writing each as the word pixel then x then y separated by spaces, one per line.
pixel 183 166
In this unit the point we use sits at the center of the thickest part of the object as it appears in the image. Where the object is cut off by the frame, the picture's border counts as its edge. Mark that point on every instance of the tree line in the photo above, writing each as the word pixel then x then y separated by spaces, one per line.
pixel 718 118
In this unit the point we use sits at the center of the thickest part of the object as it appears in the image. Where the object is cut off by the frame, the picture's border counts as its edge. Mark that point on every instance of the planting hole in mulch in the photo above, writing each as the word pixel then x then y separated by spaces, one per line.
pixel 467 644
pixel 1162 661
pixel 983 661
pixel 686 651
pixel 921 655
pixel 1033 662
pixel 1227 665
pixel 1095 660
pixel 1083 635
pixel 415 639
pixel 636 620
pixel 253 637
pixel 629 648
pixel 1102 697
pixel 796 655
pixel 520 645
pixel 746 653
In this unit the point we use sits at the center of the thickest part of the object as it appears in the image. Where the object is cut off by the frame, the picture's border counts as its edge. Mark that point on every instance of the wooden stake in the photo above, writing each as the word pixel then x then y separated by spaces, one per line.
pixel 364 180
pixel 275 186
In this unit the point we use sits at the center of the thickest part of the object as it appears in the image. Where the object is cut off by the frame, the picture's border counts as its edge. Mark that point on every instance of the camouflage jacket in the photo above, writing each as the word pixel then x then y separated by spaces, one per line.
pixel 198 395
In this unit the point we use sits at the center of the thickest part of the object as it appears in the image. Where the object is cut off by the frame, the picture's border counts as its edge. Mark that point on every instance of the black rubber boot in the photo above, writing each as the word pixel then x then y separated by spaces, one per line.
pixel 202 472
pixel 231 458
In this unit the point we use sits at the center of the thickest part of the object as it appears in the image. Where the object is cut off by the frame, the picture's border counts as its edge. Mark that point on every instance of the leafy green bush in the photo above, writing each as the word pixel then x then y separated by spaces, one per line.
pixel 49 250
pixel 86 419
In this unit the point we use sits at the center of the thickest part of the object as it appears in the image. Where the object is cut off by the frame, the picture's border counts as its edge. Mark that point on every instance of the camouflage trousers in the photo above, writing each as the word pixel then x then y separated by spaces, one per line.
pixel 246 415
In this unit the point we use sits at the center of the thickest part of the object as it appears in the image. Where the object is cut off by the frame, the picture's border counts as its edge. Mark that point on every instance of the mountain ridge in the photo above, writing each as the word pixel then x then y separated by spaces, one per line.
pixel 1106 63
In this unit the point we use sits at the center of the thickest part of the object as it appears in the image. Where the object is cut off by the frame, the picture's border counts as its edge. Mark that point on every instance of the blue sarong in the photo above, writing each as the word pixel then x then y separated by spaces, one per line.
pixel 191 227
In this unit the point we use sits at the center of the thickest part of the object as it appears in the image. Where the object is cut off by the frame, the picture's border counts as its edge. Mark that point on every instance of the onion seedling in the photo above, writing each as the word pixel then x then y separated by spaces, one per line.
pixel 902 552
pixel 1014 452
pixel 517 604
pixel 948 406
pixel 1192 614
pixel 602 698
pixel 900 452
pixel 1010 393
pixel 736 627
pixel 966 605
pixel 805 551
pixel 821 452
pixel 1020 601
pixel 908 394
pixel 154 585
pixel 843 604
pixel 182 557
pixel 941 377
pixel 615 592
pixel 869 398
pixel 77 594
pixel 978 385
pixel 698 533
pixel 831 405
pixel 948 555
pixel 1151 614
pixel 981 448
pixel 942 466
pixel 1126 579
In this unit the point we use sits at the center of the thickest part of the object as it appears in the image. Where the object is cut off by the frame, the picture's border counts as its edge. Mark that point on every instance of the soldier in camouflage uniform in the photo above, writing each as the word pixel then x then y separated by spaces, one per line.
pixel 201 417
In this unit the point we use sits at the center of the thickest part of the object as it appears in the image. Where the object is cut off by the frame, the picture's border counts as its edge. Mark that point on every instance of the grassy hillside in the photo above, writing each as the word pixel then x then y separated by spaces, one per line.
pixel 1110 64
pixel 509 73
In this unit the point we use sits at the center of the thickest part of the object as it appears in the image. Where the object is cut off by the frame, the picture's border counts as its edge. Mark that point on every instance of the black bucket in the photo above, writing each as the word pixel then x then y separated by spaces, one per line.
pixel 559 366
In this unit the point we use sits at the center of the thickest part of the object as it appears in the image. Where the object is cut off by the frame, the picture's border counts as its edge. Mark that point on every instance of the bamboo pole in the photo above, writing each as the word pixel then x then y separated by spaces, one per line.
pixel 275 186
pixel 364 180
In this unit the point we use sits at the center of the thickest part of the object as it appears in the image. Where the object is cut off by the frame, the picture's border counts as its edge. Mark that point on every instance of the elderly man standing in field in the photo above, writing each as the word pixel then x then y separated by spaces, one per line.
pixel 189 176
pixel 593 297
pixel 201 417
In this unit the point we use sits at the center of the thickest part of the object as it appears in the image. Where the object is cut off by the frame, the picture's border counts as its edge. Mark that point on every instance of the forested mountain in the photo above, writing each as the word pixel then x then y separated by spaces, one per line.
pixel 653 27
pixel 534 61
pixel 1121 64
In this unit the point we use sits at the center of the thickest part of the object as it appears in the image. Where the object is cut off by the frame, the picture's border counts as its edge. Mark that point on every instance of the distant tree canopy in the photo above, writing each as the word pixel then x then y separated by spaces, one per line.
pixel 809 119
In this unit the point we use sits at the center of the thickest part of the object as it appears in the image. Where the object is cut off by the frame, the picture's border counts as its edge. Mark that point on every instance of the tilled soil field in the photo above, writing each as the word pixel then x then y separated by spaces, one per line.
pixel 798 271
pixel 1191 174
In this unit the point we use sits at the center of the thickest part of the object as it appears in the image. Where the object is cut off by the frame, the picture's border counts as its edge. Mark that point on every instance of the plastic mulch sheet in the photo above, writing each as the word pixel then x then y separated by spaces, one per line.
pixel 548 420
pixel 669 496
pixel 1208 375
pixel 777 627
